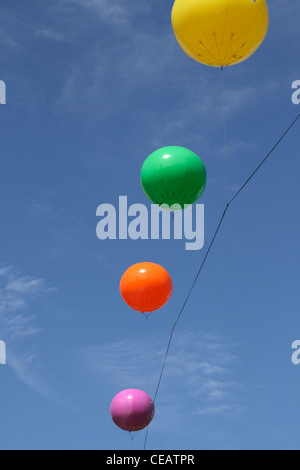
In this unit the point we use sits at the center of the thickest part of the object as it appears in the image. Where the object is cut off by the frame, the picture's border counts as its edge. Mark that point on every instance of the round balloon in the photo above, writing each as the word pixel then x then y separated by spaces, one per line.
pixel 132 410
pixel 146 287
pixel 220 32
pixel 173 176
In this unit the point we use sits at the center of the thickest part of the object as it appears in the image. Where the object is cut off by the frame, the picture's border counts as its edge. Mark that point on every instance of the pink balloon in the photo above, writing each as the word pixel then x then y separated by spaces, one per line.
pixel 132 410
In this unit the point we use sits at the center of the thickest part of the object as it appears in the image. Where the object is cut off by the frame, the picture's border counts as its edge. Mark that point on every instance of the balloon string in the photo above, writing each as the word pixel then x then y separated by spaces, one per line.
pixel 265 159
pixel 173 262
pixel 225 134
pixel 186 300
pixel 207 254
pixel 132 436
pixel 147 352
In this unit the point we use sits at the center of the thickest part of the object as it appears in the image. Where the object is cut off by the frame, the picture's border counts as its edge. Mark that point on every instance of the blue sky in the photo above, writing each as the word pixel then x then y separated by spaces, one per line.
pixel 94 87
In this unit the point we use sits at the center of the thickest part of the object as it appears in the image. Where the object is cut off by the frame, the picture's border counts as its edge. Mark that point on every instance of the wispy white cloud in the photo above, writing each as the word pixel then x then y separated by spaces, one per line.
pixel 19 324
pixel 102 72
pixel 203 368
pixel 7 39
pixel 51 35
pixel 27 369
pixel 120 362
pixel 40 208
pixel 16 294
pixel 219 409
pixel 27 286
pixel 68 232
pixel 116 11
pixel 106 9
pixel 202 103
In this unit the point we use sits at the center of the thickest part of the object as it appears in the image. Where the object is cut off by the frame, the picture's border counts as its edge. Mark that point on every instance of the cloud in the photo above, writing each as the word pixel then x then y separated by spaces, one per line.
pixel 18 324
pixel 51 35
pixel 120 362
pixel 16 294
pixel 68 232
pixel 115 12
pixel 27 369
pixel 38 208
pixel 27 286
pixel 219 409
pixel 201 369
pixel 7 40
pixel 102 72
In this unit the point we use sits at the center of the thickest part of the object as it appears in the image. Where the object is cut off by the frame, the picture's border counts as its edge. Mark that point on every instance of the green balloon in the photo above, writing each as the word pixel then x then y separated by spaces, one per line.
pixel 173 175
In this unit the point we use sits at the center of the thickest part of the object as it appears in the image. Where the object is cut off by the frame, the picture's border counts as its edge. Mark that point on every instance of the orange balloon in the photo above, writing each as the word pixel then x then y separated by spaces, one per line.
pixel 146 287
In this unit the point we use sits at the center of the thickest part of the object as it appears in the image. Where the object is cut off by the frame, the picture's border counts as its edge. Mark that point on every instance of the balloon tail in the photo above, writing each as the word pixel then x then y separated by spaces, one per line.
pixel 147 351
pixel 132 436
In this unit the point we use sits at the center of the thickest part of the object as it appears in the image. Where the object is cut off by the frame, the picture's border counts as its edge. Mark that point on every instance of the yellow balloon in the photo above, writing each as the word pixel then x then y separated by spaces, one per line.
pixel 220 32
